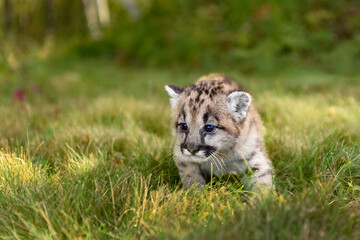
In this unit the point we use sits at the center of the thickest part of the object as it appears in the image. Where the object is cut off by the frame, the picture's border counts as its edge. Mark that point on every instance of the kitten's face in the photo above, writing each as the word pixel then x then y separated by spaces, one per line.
pixel 201 135
pixel 206 118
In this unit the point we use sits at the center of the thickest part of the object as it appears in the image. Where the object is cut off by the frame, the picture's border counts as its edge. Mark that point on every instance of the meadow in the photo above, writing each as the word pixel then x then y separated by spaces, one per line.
pixel 87 154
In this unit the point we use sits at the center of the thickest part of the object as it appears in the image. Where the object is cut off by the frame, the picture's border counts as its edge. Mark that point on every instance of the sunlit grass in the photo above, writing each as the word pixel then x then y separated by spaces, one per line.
pixel 90 157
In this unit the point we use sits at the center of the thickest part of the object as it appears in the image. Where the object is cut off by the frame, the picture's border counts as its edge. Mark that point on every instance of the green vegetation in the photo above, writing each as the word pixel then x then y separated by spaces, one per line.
pixel 254 36
pixel 85 136
pixel 87 155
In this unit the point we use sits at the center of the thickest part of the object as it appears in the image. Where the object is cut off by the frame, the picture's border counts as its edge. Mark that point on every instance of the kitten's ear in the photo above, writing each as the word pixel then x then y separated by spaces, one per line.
pixel 174 93
pixel 239 103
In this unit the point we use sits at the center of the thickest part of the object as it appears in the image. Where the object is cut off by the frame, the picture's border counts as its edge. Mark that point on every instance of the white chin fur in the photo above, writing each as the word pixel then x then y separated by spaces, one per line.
pixel 198 159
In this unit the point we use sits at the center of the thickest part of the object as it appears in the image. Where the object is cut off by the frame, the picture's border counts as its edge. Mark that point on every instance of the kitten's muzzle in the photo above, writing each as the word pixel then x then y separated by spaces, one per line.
pixel 194 148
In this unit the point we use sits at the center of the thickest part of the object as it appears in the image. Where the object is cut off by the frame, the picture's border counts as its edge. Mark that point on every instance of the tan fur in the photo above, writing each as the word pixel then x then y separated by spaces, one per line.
pixel 235 146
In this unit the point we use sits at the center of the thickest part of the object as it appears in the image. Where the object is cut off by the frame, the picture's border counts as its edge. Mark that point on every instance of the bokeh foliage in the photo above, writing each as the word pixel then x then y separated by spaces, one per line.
pixel 249 35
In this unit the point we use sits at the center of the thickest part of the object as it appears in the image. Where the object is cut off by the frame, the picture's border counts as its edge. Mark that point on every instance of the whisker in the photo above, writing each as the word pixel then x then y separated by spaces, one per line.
pixel 213 155
pixel 213 160
pixel 222 164
pixel 223 158
pixel 219 166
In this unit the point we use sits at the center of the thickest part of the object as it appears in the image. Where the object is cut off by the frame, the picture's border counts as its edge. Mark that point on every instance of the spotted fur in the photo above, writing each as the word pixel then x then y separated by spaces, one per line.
pixel 235 146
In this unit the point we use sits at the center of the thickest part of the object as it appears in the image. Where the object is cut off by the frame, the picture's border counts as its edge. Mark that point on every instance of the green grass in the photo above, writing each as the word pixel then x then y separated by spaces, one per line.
pixel 90 158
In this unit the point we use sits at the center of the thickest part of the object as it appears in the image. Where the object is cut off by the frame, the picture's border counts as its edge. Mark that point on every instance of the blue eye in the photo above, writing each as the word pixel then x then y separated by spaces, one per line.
pixel 209 128
pixel 183 126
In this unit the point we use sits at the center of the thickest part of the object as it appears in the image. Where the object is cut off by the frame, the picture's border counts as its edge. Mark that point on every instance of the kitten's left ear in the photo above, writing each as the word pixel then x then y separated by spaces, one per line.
pixel 239 103
pixel 174 93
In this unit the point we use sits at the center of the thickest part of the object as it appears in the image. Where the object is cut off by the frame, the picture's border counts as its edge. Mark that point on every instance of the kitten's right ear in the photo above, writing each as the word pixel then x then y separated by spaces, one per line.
pixel 174 93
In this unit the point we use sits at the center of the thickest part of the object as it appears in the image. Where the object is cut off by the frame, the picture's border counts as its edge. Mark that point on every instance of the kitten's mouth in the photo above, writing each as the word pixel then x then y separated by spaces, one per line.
pixel 199 157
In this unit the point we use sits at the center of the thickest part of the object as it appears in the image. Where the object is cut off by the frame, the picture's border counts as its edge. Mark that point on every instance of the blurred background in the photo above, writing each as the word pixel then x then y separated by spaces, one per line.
pixel 249 36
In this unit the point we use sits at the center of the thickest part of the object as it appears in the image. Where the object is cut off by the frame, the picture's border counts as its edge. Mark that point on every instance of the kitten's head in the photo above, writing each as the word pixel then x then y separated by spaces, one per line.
pixel 207 116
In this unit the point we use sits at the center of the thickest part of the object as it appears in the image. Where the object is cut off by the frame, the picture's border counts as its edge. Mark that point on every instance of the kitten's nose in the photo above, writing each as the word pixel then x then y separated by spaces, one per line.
pixel 192 147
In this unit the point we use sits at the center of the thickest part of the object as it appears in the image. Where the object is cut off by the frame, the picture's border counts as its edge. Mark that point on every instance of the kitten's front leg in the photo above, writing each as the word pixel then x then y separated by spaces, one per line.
pixel 190 174
pixel 262 173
